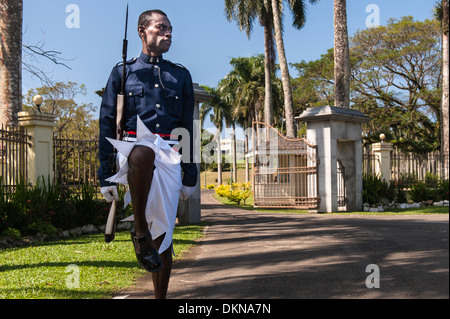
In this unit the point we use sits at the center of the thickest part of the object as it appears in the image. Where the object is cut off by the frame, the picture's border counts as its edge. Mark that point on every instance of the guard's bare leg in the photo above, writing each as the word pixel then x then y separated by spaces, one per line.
pixel 161 278
pixel 141 163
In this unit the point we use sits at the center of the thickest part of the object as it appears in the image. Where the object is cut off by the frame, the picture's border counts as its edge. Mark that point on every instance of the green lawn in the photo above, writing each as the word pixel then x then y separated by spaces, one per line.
pixel 81 267
pixel 411 211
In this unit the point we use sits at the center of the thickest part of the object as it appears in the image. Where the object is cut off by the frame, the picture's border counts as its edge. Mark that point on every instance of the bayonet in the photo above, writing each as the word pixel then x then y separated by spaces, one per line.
pixel 124 54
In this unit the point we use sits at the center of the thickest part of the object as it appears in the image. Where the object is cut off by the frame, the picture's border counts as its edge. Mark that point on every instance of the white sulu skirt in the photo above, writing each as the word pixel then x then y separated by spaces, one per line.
pixel 163 198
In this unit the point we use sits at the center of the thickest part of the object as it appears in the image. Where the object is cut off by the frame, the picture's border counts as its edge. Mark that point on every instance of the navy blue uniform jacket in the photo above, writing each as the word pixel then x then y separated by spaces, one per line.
pixel 157 90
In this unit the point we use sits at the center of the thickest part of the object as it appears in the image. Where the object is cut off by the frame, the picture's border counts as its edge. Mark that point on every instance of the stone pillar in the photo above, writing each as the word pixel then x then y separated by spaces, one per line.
pixel 40 152
pixel 189 211
pixel 337 133
pixel 382 151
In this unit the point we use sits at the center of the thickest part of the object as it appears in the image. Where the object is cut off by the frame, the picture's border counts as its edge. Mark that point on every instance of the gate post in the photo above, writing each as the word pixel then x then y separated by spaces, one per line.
pixel 189 211
pixel 40 151
pixel 383 159
pixel 337 133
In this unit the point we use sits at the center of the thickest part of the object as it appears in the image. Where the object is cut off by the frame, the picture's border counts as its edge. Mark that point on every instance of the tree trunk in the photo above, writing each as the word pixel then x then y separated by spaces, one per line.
pixel 219 157
pixel 234 155
pixel 341 55
pixel 247 175
pixel 10 60
pixel 285 78
pixel 268 105
pixel 445 84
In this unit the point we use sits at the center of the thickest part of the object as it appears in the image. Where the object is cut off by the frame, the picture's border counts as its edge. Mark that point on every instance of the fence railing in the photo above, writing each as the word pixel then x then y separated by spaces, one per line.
pixel 14 144
pixel 369 163
pixel 75 161
pixel 410 167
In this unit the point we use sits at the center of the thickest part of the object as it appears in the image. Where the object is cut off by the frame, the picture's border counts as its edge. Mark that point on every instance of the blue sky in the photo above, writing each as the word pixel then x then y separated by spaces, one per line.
pixel 203 40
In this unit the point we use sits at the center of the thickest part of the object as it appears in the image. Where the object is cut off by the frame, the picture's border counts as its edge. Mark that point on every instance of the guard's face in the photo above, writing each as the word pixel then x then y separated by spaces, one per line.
pixel 157 36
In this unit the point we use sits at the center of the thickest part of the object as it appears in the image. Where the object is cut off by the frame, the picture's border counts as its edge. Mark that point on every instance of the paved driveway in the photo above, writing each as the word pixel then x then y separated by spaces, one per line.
pixel 253 255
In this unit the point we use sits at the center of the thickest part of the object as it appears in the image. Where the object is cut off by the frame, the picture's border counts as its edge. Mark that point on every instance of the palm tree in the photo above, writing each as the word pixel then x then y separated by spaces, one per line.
pixel 445 78
pixel 243 88
pixel 341 55
pixel 442 14
pixel 219 109
pixel 10 60
pixel 244 12
pixel 239 97
pixel 297 8
pixel 228 98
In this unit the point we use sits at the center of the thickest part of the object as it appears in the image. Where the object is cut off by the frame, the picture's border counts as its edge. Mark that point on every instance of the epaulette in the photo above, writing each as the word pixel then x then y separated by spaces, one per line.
pixel 176 64
pixel 131 61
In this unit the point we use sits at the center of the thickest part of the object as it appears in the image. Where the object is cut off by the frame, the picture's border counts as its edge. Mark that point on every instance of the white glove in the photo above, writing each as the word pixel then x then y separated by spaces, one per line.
pixel 110 193
pixel 186 192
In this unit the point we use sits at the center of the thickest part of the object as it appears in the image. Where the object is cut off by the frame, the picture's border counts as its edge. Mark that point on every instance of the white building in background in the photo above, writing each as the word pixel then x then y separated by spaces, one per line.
pixel 227 148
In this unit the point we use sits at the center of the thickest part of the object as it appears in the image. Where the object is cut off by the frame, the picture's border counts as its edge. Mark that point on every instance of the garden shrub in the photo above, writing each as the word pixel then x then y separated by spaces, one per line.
pixel 377 190
pixel 442 190
pixel 46 207
pixel 419 192
pixel 221 190
pixel 39 226
pixel 12 232
pixel 88 208
pixel 235 192
pixel 374 189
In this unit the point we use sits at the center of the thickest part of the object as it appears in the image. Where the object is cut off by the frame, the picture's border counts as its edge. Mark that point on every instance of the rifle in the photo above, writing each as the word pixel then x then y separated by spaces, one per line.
pixel 110 229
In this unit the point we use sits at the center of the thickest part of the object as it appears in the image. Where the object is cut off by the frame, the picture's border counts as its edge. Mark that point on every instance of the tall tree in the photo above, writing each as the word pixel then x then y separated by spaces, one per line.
pixel 60 99
pixel 442 15
pixel 396 76
pixel 297 9
pixel 243 90
pixel 220 111
pixel 11 12
pixel 285 77
pixel 244 12
pixel 314 85
pixel 341 55
pixel 445 80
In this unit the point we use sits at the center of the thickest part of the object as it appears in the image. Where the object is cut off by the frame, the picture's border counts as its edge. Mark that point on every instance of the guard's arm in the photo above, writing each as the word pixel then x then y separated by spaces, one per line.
pixel 107 126
pixel 190 168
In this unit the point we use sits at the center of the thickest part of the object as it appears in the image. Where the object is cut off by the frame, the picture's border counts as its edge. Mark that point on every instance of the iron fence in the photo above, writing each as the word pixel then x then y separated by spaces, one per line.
pixel 75 161
pixel 411 167
pixel 14 143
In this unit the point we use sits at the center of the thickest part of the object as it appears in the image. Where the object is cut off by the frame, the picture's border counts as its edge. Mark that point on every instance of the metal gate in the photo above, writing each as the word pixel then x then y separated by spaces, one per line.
pixel 341 190
pixel 284 170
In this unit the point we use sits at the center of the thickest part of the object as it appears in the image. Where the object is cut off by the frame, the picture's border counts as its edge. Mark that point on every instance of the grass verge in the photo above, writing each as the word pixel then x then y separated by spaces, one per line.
pixel 78 268
pixel 410 211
